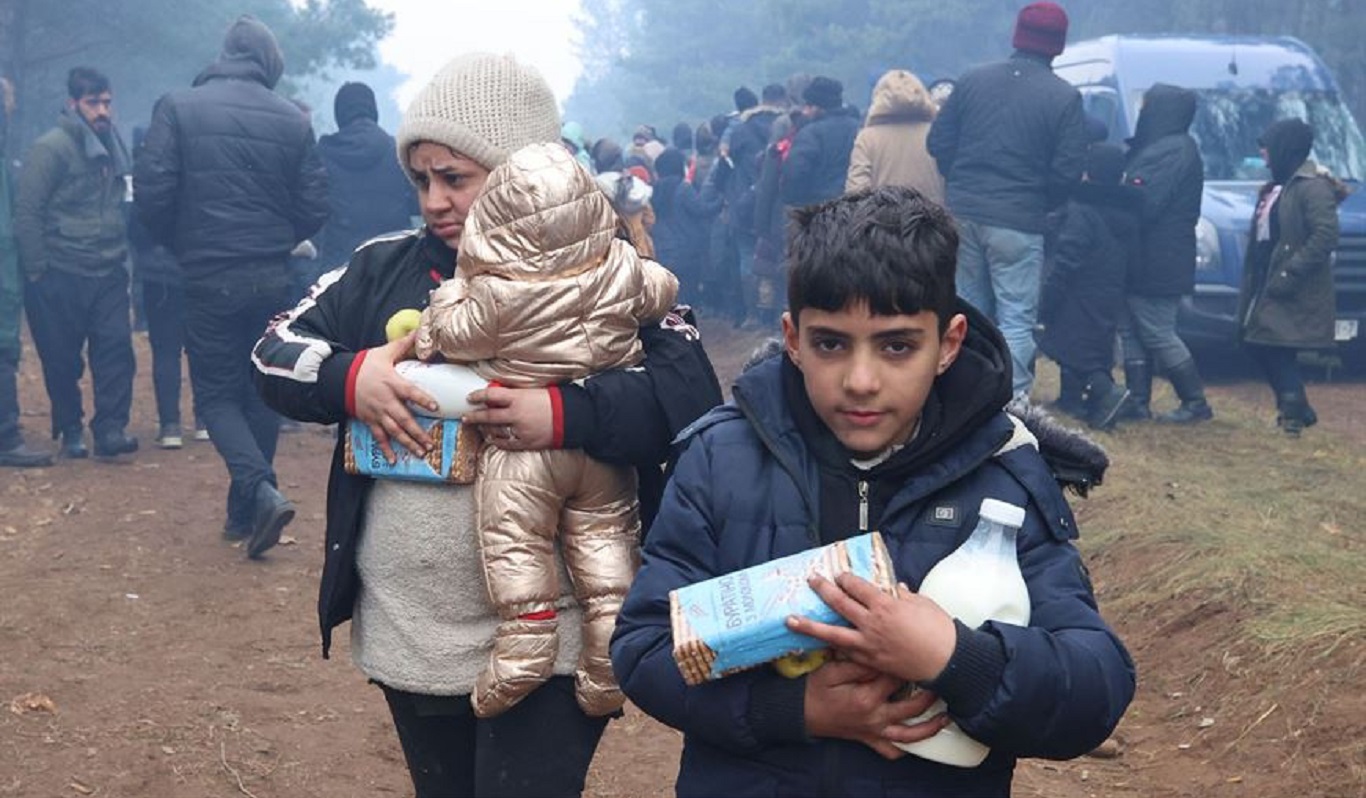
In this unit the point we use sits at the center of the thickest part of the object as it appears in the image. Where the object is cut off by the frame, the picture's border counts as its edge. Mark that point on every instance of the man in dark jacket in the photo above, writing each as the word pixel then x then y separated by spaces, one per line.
pixel 1010 142
pixel 1165 164
pixel 69 219
pixel 367 190
pixel 14 452
pixel 229 179
pixel 816 165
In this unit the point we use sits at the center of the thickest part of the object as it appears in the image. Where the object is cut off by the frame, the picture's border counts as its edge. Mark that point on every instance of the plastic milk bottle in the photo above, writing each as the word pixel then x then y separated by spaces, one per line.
pixel 448 384
pixel 979 581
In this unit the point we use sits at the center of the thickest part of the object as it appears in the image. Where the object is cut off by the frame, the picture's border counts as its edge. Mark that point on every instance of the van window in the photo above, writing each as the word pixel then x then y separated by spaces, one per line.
pixel 1228 122
pixel 1102 103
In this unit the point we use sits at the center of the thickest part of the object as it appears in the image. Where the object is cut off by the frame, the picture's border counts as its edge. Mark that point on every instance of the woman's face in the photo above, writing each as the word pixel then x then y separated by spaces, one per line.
pixel 447 184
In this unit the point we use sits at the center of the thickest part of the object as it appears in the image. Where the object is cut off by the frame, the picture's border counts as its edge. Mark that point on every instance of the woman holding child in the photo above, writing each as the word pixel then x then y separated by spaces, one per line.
pixel 402 562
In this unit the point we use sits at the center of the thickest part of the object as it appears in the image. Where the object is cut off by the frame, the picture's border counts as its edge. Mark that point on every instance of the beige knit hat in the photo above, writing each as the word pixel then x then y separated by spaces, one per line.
pixel 484 107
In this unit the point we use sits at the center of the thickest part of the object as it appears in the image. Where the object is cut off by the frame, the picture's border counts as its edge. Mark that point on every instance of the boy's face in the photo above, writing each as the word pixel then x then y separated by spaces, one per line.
pixel 868 376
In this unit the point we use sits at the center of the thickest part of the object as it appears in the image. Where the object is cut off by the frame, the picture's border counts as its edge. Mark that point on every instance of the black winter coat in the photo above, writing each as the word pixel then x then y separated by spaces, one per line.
pixel 1082 298
pixel 682 231
pixel 229 177
pixel 1165 162
pixel 1010 143
pixel 368 192
pixel 307 359
pixel 818 162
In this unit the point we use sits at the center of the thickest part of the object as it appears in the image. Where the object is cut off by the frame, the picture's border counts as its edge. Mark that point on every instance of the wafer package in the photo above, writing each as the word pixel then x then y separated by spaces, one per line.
pixel 453 458
pixel 737 621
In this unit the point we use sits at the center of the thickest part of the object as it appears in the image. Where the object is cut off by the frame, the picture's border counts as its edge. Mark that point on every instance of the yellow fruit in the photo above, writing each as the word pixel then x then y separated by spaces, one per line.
pixel 794 665
pixel 402 323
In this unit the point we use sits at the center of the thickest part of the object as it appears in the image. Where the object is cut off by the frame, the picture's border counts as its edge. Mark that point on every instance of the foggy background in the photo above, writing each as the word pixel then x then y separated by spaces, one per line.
pixel 614 63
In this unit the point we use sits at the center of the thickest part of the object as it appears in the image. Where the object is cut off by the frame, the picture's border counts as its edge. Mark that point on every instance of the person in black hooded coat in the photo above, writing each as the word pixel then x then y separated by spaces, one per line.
pixel 682 222
pixel 229 180
pixel 366 189
pixel 1082 297
pixel 1165 164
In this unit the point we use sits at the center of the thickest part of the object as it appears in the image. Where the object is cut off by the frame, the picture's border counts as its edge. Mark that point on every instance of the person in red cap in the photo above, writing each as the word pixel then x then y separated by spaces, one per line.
pixel 1010 142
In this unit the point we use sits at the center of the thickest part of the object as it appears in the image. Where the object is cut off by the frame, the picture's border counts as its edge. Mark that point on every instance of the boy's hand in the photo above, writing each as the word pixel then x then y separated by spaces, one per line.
pixel 907 636
pixel 852 702
pixel 381 396
pixel 519 419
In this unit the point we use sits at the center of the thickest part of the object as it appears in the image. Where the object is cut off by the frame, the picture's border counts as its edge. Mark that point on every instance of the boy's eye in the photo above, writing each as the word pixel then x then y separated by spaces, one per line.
pixel 899 348
pixel 825 345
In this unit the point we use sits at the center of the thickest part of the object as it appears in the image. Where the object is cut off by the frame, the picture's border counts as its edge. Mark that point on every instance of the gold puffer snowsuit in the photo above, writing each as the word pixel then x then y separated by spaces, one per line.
pixel 545 293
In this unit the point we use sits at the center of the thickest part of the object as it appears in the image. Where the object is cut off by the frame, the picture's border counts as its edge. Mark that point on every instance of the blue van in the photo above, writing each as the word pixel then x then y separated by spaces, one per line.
pixel 1244 83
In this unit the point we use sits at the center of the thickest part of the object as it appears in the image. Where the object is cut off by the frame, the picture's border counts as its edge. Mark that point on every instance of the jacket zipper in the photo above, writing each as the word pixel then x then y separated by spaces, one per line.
pixel 863 505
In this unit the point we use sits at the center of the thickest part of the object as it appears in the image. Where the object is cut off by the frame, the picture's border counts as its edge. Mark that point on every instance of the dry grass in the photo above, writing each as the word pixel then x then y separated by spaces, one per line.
pixel 1235 512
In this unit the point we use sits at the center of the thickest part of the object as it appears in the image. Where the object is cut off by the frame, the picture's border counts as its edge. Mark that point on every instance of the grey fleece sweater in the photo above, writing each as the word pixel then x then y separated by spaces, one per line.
pixel 423 622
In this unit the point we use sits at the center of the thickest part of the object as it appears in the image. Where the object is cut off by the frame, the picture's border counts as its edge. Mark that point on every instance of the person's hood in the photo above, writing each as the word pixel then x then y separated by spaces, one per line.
pixel 627 193
pixel 771 110
pixel 899 96
pixel 358 146
pixel 967 396
pixel 1287 143
pixel 573 133
pixel 540 216
pixel 250 52
pixel 1167 111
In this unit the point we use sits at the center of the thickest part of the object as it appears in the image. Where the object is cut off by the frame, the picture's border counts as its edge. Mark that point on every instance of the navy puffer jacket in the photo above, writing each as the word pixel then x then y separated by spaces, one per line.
pixel 747 490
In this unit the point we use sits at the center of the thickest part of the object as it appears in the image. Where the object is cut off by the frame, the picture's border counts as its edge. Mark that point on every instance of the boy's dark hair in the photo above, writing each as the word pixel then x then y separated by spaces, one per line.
pixel 887 246
pixel 82 81
pixel 775 94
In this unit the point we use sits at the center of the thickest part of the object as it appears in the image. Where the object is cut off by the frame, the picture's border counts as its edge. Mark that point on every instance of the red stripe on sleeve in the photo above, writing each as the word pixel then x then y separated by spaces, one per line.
pixel 556 417
pixel 351 382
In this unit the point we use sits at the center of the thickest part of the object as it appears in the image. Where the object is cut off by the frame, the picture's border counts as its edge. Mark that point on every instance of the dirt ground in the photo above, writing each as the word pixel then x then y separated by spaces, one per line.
pixel 141 657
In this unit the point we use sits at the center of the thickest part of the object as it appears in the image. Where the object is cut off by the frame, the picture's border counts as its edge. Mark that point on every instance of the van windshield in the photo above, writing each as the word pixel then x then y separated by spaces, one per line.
pixel 1229 121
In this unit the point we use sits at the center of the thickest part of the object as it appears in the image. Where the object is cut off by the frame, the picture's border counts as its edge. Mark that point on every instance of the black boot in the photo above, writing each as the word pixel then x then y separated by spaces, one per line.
pixel 73 444
pixel 1295 412
pixel 1138 378
pixel 20 456
pixel 272 513
pixel 1071 393
pixel 113 445
pixel 1190 389
pixel 1104 401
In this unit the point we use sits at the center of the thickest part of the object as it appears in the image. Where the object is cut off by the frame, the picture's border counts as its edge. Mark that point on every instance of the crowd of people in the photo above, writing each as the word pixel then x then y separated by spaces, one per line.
pixel 911 261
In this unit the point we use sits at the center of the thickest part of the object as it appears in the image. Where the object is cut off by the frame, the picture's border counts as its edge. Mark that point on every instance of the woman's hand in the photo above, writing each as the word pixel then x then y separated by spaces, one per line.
pixel 517 419
pixel 381 396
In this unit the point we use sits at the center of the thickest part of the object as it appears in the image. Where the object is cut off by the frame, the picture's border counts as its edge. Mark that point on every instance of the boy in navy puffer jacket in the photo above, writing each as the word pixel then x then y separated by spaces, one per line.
pixel 883 413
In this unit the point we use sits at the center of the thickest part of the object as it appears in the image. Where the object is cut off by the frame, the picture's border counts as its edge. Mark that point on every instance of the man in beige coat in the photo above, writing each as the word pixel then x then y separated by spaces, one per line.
pixel 544 293
pixel 890 150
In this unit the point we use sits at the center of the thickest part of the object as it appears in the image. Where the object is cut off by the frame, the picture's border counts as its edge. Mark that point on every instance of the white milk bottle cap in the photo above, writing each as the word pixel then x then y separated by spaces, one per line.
pixel 1003 513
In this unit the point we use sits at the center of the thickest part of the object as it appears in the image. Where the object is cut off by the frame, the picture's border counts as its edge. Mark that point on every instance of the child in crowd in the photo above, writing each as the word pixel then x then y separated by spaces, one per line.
pixel 1082 298
pixel 545 293
pixel 884 413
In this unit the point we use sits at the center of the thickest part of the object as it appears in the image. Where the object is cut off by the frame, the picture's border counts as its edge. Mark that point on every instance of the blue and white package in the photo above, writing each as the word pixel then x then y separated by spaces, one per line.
pixel 737 621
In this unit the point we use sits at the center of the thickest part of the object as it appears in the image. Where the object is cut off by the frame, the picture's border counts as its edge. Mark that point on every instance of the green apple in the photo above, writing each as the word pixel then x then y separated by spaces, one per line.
pixel 402 323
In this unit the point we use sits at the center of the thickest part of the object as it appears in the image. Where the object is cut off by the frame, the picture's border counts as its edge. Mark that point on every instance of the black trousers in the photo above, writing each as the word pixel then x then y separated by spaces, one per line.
pixel 68 313
pixel 222 326
pixel 1281 364
pixel 164 304
pixel 10 435
pixel 541 748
